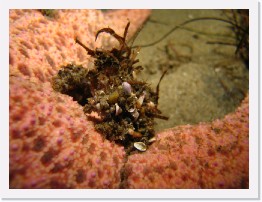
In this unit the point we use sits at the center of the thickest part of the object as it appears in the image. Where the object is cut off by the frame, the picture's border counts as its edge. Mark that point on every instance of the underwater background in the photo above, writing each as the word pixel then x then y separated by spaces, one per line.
pixel 205 142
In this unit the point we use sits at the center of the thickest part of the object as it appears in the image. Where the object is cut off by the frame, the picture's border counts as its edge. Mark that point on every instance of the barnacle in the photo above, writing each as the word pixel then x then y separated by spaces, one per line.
pixel 140 146
pixel 127 107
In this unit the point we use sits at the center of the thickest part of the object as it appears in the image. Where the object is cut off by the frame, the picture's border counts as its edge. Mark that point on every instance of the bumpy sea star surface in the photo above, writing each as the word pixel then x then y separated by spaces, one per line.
pixel 207 155
pixel 52 145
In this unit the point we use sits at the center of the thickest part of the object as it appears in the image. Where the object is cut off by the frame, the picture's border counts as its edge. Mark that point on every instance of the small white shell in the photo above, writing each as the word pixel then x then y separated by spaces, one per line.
pixel 118 109
pixel 98 106
pixel 134 74
pixel 101 92
pixel 140 146
pixel 153 139
pixel 131 110
pixel 151 104
pixel 127 88
pixel 140 100
pixel 135 114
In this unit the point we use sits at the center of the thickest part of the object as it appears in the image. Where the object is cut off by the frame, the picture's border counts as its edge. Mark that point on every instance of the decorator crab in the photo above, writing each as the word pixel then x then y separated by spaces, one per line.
pixel 126 106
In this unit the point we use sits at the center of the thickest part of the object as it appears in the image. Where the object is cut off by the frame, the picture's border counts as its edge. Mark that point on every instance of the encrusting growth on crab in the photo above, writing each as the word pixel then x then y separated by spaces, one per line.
pixel 127 107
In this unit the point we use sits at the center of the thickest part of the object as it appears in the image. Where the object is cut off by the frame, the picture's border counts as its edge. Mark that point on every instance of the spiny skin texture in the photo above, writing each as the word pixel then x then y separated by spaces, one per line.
pixel 52 145
pixel 39 46
pixel 207 155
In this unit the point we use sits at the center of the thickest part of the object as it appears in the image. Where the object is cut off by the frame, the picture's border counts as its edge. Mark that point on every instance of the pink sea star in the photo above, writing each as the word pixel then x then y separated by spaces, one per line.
pixel 52 145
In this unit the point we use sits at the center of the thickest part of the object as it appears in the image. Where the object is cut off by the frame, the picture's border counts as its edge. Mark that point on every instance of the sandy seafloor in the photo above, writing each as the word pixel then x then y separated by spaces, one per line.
pixel 204 81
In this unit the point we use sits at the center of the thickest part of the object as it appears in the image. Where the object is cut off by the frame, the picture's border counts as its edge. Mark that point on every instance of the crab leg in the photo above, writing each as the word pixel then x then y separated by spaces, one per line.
pixel 157 88
pixel 126 29
pixel 120 39
pixel 89 51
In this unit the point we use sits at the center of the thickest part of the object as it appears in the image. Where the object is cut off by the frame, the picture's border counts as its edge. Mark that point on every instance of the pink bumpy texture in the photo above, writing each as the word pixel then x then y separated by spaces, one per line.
pixel 39 45
pixel 207 155
pixel 52 145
